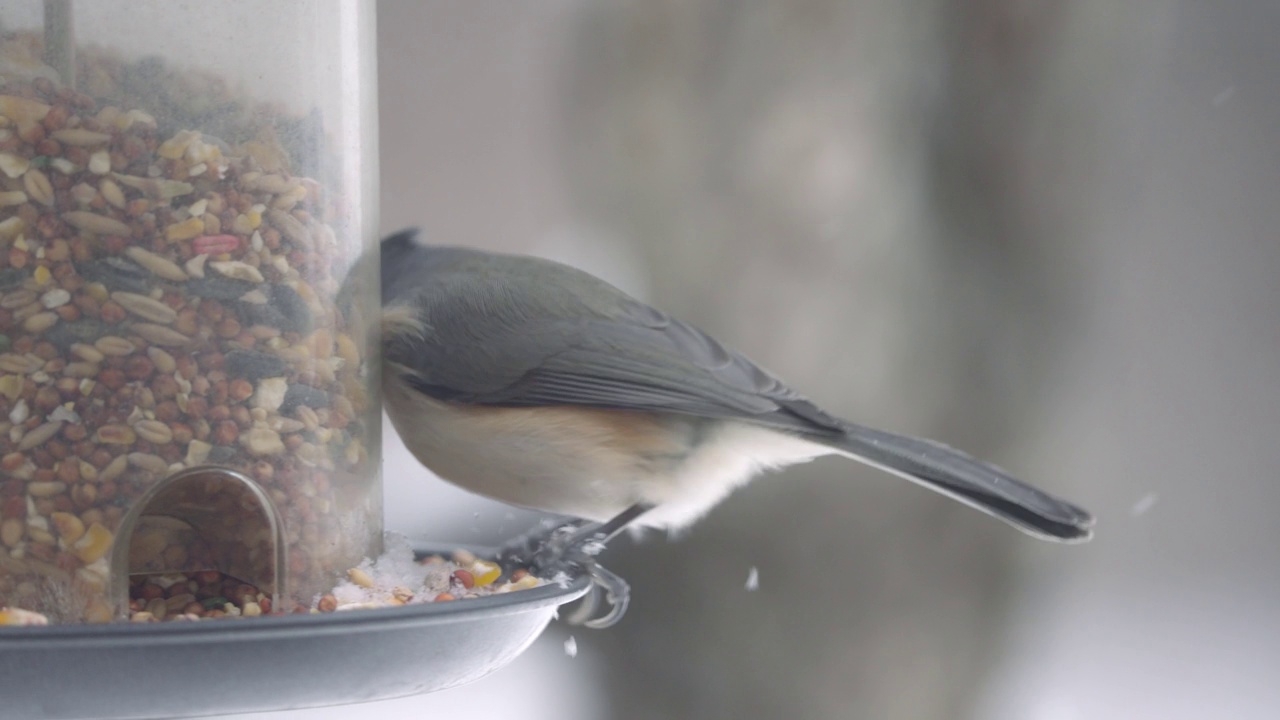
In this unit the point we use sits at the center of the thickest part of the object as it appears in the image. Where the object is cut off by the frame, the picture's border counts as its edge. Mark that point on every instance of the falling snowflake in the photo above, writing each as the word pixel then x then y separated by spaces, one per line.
pixel 1145 503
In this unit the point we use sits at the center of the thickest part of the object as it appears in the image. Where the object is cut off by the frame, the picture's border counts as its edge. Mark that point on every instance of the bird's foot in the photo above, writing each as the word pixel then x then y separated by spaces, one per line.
pixel 616 591
pixel 559 549
pixel 571 548
pixel 574 552
pixel 539 545
pixel 517 553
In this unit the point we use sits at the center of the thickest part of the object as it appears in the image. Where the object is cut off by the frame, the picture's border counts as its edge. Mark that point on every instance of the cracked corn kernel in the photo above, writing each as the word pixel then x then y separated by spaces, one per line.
pixel 93 545
pixel 485 572
pixel 184 230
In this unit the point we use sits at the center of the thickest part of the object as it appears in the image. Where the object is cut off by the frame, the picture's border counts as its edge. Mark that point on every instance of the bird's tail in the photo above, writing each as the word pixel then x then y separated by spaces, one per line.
pixel 968 480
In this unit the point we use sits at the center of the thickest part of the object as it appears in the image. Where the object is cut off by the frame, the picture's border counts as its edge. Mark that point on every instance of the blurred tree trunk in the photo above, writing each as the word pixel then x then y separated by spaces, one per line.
pixel 833 187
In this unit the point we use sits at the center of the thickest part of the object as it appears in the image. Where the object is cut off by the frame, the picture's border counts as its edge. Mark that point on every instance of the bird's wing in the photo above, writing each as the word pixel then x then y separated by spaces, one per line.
pixel 501 340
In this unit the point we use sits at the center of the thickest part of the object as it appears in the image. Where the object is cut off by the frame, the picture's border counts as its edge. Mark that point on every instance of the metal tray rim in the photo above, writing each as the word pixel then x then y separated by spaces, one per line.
pixel 417 615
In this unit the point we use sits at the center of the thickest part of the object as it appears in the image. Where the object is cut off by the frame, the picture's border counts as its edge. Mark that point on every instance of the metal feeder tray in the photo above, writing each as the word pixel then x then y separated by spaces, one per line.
pixel 191 669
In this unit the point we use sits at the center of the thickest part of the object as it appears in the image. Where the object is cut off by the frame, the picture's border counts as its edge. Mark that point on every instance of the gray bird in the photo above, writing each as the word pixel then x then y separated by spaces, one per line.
pixel 539 385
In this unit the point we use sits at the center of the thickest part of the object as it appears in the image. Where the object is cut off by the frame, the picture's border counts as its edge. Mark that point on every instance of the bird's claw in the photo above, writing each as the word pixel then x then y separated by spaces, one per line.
pixel 616 592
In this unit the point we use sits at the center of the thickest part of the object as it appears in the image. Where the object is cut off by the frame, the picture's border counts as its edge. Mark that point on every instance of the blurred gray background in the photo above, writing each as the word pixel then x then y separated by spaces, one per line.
pixel 1046 232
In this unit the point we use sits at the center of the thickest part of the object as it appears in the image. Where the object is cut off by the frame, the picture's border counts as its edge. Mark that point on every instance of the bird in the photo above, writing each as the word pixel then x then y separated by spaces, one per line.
pixel 539 385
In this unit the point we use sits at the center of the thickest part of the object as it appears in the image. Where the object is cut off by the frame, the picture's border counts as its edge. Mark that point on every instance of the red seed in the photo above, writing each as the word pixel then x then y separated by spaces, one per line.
pixel 215 244
pixel 467 579
pixel 444 597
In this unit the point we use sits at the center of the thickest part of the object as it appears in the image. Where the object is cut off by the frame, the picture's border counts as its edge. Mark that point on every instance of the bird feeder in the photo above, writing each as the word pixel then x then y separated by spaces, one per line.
pixel 184 193
pixel 189 365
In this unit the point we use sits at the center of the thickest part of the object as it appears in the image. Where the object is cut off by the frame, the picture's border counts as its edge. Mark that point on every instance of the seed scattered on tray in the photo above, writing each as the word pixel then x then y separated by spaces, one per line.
pixel 398 578
pixel 17 616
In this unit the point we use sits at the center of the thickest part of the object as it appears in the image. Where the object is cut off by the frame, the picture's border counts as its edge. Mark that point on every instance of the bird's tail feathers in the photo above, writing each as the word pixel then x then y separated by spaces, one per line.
pixel 968 480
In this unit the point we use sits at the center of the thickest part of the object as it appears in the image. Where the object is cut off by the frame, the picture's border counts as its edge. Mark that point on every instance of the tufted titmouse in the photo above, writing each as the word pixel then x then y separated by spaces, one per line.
pixel 539 385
